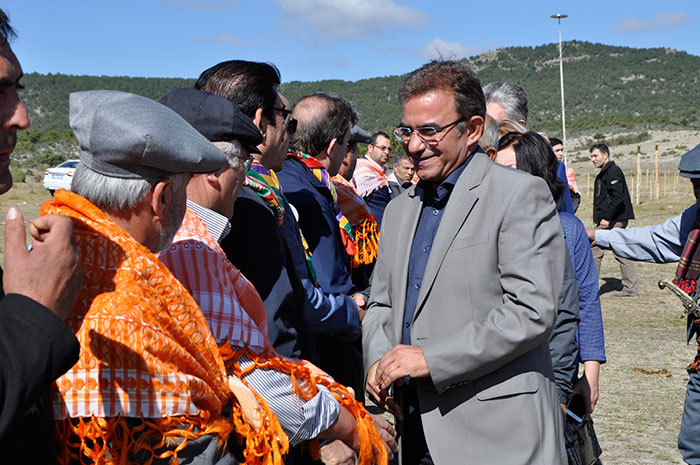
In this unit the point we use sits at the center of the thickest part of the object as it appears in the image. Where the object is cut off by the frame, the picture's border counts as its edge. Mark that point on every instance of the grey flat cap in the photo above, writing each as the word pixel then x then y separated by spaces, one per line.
pixel 689 166
pixel 124 135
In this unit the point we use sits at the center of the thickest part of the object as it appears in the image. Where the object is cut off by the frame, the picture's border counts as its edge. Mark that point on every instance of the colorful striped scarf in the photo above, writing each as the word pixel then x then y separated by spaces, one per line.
pixel 264 183
pixel 146 353
pixel 364 225
pixel 322 175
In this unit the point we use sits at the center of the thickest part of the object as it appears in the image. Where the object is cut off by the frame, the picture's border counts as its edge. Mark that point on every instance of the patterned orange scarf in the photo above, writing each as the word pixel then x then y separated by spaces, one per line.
pixel 240 313
pixel 146 353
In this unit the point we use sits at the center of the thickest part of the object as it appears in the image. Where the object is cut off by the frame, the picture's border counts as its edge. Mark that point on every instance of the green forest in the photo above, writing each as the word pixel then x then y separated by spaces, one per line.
pixel 606 87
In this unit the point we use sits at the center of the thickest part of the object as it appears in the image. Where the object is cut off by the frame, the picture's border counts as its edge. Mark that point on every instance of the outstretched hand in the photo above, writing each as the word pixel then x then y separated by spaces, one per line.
pixel 50 273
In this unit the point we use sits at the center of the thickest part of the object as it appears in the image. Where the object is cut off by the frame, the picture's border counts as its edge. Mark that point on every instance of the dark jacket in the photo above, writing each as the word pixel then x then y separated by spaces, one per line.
pixel 256 247
pixel 36 347
pixel 317 220
pixel 612 199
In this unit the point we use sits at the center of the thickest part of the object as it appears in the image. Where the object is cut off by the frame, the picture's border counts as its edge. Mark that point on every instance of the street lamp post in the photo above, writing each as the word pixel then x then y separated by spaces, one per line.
pixel 559 17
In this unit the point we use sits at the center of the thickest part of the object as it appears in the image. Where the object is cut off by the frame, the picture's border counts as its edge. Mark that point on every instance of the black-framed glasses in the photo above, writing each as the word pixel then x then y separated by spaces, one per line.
pixel 290 122
pixel 427 134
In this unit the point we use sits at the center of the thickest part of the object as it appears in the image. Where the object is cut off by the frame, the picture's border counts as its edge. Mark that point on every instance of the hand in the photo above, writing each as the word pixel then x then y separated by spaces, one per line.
pixel 387 432
pixel 604 224
pixel 50 273
pixel 361 305
pixel 401 361
pixel 381 396
pixel 587 385
pixel 337 453
pixel 591 235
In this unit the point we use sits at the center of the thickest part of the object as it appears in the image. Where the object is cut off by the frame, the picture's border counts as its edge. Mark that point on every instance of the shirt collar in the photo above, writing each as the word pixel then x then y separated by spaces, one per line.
pixel 218 225
pixel 381 168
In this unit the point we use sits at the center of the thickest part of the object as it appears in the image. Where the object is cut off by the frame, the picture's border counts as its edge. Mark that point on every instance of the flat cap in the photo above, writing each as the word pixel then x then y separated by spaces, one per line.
pixel 689 166
pixel 215 117
pixel 123 135
pixel 357 134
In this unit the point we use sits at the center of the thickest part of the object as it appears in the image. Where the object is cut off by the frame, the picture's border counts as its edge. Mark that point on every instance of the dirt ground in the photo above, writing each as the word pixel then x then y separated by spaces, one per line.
pixel 642 386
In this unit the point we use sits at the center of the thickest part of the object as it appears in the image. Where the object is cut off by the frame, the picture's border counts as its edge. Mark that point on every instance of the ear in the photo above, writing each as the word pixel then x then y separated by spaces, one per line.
pixel 474 129
pixel 162 199
pixel 331 146
pixel 259 121
pixel 213 179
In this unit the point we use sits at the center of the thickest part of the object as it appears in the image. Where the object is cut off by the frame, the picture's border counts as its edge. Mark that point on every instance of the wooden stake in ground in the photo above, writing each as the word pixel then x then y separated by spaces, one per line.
pixel 651 186
pixel 665 190
pixel 639 174
pixel 633 189
pixel 656 171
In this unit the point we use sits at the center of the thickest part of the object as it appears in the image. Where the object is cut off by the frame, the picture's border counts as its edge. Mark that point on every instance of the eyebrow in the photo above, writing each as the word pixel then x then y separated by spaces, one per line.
pixel 5 82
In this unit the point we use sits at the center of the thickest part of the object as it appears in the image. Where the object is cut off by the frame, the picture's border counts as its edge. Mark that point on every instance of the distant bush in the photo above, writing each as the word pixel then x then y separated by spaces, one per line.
pixel 50 158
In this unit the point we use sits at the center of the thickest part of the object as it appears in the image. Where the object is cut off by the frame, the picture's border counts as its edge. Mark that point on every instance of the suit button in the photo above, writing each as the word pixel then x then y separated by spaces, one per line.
pixel 426 249
pixel 407 324
pixel 417 286
pixel 436 212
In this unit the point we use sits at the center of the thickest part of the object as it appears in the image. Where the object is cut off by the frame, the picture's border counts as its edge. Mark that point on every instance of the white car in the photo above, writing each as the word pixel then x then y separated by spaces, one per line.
pixel 61 176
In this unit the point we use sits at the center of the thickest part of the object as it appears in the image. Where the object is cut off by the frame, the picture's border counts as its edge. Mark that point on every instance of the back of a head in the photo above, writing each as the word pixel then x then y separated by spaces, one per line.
pixel 453 76
pixel 248 84
pixel 534 155
pixel 511 96
pixel 322 117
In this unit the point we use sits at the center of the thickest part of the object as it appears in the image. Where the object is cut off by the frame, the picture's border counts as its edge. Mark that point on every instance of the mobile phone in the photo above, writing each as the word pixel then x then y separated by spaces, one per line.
pixel 576 407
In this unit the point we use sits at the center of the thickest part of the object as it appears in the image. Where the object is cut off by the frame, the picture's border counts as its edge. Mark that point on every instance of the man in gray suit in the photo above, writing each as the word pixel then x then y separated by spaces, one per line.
pixel 465 294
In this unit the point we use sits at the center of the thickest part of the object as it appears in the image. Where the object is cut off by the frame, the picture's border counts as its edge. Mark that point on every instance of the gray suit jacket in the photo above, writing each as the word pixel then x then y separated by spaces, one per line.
pixel 484 314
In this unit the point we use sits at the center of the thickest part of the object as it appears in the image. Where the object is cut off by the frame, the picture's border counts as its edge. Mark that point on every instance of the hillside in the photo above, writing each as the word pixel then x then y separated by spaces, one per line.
pixel 606 88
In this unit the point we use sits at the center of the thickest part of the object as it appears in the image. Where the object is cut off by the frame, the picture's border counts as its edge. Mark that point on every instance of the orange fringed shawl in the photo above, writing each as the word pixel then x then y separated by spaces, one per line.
pixel 146 354
pixel 364 225
pixel 237 319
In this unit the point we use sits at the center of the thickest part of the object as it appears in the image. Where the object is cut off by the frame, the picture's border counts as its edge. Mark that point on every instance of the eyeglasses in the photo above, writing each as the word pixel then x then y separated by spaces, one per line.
pixel 425 133
pixel 290 122
pixel 383 148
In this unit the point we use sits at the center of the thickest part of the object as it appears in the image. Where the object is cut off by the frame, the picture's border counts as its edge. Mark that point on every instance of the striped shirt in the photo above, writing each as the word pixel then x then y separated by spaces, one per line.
pixel 300 419
pixel 368 176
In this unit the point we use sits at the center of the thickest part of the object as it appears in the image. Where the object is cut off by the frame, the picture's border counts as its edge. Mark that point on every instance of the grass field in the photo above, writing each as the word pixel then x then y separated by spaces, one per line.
pixel 642 386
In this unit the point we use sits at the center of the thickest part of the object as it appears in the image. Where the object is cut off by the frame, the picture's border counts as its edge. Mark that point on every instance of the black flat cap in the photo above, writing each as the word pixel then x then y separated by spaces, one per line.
pixel 689 166
pixel 215 117
pixel 357 134
pixel 123 135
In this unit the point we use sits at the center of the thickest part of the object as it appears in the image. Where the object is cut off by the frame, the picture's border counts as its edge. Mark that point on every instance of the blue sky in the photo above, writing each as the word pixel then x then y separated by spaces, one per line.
pixel 319 39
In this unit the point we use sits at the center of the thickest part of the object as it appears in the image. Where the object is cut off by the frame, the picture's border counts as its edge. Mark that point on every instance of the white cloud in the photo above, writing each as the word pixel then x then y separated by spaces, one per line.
pixel 214 5
pixel 661 21
pixel 438 48
pixel 350 19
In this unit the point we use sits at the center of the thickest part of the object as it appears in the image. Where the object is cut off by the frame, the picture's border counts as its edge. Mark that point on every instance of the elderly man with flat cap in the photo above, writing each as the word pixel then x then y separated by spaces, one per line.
pixel 150 384
pixel 233 308
pixel 674 240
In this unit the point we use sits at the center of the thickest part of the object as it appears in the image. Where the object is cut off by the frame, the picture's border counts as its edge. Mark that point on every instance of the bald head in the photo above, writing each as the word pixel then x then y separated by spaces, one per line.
pixel 322 118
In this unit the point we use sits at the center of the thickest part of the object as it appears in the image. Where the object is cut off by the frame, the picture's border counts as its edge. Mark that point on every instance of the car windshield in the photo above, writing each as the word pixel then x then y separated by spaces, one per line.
pixel 69 164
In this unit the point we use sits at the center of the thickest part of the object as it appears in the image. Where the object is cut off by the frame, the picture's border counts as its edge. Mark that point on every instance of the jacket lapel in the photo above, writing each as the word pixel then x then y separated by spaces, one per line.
pixel 410 214
pixel 459 206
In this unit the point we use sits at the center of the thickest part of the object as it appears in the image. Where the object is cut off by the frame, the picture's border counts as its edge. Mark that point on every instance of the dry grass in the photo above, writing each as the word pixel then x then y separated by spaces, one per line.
pixel 642 386
pixel 28 197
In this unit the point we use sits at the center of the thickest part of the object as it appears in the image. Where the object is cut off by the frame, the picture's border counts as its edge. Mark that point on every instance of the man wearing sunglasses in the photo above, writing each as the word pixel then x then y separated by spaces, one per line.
pixel 370 178
pixel 465 291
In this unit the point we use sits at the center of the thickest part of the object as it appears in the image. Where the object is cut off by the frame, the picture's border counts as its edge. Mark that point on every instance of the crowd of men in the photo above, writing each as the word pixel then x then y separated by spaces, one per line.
pixel 230 282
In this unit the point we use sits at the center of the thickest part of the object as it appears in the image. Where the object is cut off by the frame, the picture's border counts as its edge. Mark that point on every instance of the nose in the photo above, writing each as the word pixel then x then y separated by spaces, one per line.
pixel 15 116
pixel 415 144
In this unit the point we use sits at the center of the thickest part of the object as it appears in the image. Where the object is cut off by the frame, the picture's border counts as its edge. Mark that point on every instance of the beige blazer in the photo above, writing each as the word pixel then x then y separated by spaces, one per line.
pixel 485 310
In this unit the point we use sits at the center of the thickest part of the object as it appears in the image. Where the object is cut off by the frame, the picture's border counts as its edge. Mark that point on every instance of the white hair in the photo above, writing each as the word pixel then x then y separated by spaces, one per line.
pixel 116 195
pixel 233 151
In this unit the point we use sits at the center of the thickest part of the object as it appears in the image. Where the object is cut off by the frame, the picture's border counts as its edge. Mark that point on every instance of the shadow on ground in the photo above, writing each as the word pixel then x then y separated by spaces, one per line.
pixel 610 285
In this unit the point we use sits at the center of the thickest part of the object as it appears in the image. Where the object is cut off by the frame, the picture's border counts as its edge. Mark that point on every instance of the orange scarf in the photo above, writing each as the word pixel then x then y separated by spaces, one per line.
pixel 146 353
pixel 237 318
pixel 364 225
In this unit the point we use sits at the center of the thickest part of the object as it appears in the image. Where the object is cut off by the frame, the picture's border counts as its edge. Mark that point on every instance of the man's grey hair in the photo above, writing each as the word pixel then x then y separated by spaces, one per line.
pixel 233 151
pixel 115 195
pixel 511 96
pixel 491 135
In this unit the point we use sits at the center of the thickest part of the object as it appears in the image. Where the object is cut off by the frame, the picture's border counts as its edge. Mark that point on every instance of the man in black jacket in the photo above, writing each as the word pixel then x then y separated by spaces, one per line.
pixel 612 208
pixel 38 291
